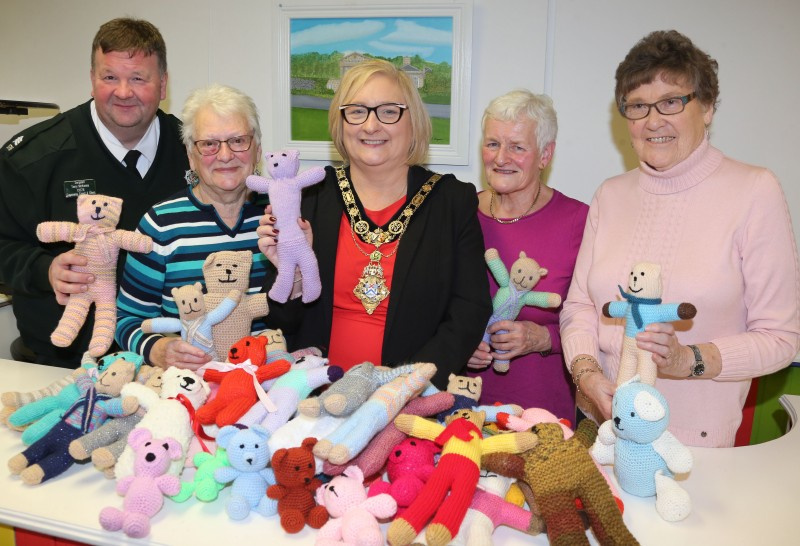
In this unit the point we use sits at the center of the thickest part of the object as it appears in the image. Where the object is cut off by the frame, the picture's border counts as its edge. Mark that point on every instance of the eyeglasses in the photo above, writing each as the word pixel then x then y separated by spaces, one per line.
pixel 666 107
pixel 356 114
pixel 211 146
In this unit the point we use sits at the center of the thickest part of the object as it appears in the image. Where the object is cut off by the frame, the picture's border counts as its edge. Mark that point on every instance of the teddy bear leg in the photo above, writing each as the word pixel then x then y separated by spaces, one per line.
pixel 33 475
pixel 564 525
pixel 103 458
pixel 335 404
pixel 400 533
pixel 237 507
pixel 18 463
pixel 135 525
pixel 111 519
pixel 312 287
pixel 292 520
pixel 266 506
pixel 5 413
pixel 646 368
pixel 105 323
pixel 282 286
pixel 501 366
pixel 628 360
pixel 322 448
pixel 71 321
pixel 672 501
pixel 37 430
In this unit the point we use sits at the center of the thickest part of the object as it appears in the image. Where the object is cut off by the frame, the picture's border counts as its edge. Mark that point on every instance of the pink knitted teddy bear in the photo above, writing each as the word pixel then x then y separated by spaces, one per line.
pixel 294 251
pixel 410 464
pixel 354 517
pixel 144 491
pixel 96 237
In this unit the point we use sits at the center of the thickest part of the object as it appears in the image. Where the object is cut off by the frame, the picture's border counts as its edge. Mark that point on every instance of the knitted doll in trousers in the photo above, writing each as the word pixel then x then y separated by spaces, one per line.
pixel 516 291
pixel 96 237
pixel 642 306
pixel 294 250
pixel 447 494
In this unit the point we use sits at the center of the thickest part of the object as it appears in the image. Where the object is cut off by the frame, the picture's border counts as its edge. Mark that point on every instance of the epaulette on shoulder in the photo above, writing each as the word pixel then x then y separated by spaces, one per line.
pixel 39 140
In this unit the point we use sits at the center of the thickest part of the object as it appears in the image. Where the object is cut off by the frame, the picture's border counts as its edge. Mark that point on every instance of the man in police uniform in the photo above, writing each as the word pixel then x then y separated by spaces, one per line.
pixel 117 144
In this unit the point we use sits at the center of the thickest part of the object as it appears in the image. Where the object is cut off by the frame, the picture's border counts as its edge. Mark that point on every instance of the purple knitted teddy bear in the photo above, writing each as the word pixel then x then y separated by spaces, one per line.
pixel 144 491
pixel 294 251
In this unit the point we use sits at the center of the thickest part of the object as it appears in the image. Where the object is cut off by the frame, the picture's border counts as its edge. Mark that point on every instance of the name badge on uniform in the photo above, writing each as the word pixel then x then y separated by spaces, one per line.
pixel 74 188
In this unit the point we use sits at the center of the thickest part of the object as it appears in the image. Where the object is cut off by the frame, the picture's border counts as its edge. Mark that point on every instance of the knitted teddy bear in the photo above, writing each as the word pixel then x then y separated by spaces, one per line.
pixel 96 237
pixel 642 306
pixel 252 348
pixel 410 464
pixel 194 323
pixel 204 486
pixel 106 443
pixel 248 457
pixel 351 391
pixel 558 472
pixel 239 388
pixel 49 456
pixel 644 453
pixel 447 494
pixel 168 415
pixel 144 491
pixel 354 516
pixel 288 390
pixel 373 458
pixel 295 487
pixel 225 271
pixel 294 251
pixel 515 291
pixel 353 434
pixel 466 391
pixel 38 417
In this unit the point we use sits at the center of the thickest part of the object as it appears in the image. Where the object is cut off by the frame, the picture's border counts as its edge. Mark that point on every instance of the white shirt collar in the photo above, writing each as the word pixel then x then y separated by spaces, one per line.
pixel 147 145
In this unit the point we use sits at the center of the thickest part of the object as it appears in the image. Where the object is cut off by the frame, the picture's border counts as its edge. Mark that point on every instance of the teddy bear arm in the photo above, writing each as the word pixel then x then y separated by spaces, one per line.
pixel 272 370
pixel 268 474
pixel 542 299
pixel 277 491
pixel 51 232
pixel 499 271
pixel 256 305
pixel 214 376
pixel 221 311
pixel 310 177
pixel 505 464
pixel 258 183
pixel 161 325
pixel 676 455
pixel 686 311
pixel 381 506
pixel 615 309
pixel 225 474
pixel 168 484
pixel 132 241
pixel 515 442
pixel 124 484
pixel 602 453
pixel 331 530
pixel 417 426
pixel 586 433
pixel 312 485
pixel 605 434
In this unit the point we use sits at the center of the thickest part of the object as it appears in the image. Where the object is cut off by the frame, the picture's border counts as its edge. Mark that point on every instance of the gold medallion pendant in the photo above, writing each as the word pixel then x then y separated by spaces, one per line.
pixel 371 288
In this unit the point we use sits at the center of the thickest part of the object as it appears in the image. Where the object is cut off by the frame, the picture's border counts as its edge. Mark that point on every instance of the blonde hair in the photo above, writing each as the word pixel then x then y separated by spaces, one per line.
pixel 355 79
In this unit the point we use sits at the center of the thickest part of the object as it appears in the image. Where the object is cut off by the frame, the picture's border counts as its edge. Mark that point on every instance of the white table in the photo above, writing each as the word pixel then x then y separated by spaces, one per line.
pixel 740 496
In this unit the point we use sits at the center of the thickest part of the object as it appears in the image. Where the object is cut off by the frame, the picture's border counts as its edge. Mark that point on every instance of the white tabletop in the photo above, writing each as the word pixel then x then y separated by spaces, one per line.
pixel 740 496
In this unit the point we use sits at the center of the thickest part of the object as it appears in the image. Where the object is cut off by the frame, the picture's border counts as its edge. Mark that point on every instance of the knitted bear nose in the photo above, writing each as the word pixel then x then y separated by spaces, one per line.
pixel 150 457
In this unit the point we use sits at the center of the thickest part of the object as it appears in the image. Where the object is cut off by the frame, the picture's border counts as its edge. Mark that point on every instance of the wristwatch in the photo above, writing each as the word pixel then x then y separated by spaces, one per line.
pixel 699 367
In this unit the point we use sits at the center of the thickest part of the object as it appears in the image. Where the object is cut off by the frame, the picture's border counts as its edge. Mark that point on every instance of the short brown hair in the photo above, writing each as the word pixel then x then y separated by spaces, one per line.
pixel 672 56
pixel 132 36
pixel 355 79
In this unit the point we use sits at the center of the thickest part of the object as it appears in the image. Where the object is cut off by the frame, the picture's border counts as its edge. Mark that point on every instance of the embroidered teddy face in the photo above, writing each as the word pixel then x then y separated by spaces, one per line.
pixel 190 302
pixel 227 270
pixel 640 413
pixel 525 273
pixel 117 375
pixel 475 417
pixel 100 210
pixel 644 280
pixel 283 164
pixel 177 381
pixel 465 386
pixel 252 348
pixel 275 340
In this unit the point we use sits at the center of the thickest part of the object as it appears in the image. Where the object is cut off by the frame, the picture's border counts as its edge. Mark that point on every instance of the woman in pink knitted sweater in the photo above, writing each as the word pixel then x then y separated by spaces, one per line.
pixel 722 233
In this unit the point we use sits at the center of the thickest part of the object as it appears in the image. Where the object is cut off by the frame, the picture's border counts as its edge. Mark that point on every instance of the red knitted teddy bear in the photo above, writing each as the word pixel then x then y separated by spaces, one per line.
pixel 238 384
pixel 295 469
pixel 410 464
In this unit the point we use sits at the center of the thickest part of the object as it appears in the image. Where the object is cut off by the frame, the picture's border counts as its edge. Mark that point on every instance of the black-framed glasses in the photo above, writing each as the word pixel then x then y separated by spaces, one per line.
pixel 666 107
pixel 388 113
pixel 211 146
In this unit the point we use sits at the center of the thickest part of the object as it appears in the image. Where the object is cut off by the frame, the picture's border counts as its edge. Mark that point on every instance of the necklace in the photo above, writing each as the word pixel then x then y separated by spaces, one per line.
pixel 499 221
pixel 371 288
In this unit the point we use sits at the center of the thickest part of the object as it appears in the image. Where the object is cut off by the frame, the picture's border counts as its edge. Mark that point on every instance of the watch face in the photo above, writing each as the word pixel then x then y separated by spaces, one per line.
pixel 698 369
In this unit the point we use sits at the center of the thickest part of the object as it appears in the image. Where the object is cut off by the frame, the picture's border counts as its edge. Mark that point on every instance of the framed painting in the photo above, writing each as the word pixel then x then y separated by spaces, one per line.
pixel 316 42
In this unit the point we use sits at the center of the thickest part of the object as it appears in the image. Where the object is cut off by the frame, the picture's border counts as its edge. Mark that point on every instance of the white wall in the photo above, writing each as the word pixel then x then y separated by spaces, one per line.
pixel 44 56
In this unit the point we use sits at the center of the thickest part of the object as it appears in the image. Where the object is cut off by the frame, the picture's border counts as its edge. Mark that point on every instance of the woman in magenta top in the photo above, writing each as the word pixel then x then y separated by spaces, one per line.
pixel 520 213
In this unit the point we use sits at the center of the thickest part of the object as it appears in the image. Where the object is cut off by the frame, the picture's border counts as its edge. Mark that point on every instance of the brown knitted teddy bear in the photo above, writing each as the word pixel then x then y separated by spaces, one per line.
pixel 558 472
pixel 295 469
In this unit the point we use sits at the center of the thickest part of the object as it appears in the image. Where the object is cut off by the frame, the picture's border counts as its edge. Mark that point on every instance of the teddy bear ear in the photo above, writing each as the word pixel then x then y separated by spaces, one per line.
pixel 173 448
pixel 139 436
pixel 309 442
pixel 278 456
pixel 224 435
pixel 354 471
pixel 648 407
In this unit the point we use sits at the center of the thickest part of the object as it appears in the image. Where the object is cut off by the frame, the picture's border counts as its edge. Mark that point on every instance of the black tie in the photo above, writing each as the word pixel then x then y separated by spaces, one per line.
pixel 130 162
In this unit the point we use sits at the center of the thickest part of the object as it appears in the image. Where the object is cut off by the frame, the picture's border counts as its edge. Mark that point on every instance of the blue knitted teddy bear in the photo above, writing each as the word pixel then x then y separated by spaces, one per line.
pixel 516 291
pixel 644 453
pixel 294 251
pixel 642 306
pixel 248 456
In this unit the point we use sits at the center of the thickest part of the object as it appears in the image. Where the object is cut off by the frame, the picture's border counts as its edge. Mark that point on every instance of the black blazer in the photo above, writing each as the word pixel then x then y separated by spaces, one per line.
pixel 439 302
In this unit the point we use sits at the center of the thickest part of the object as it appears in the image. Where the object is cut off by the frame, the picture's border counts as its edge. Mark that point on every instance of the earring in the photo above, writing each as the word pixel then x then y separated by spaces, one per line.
pixel 191 178
pixel 256 171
